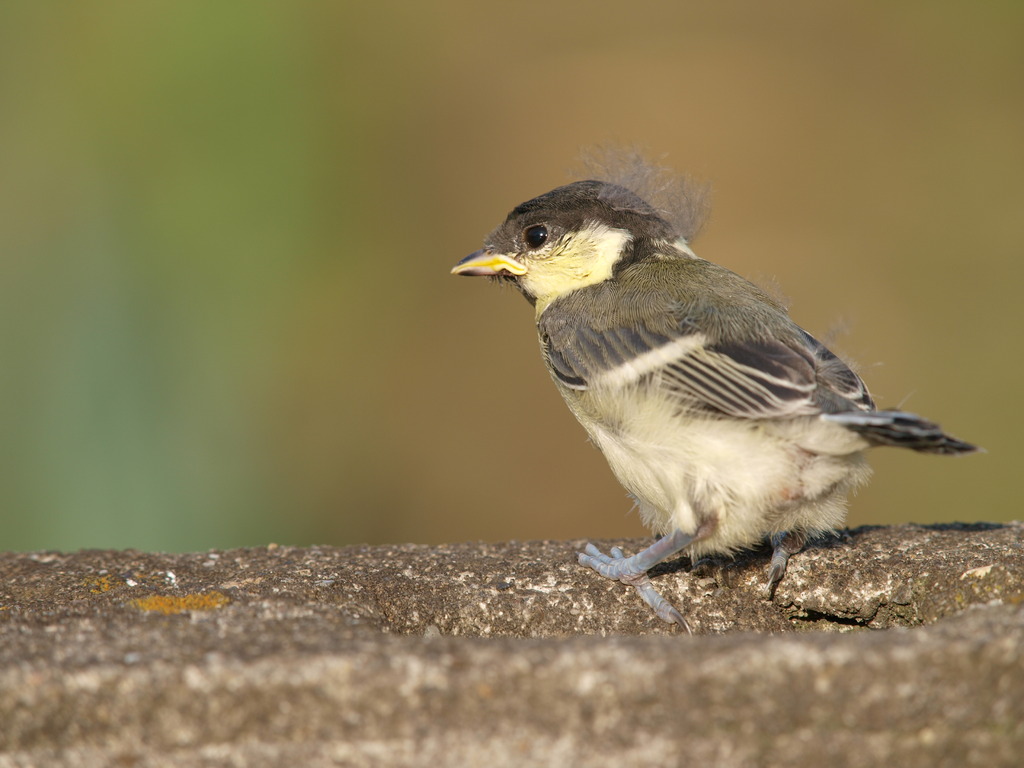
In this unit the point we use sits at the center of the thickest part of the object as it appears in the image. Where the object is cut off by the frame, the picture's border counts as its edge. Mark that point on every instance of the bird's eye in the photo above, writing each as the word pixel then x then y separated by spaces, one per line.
pixel 535 236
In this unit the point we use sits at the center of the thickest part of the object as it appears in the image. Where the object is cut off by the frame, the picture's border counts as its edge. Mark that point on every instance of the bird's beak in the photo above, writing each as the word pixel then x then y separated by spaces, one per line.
pixel 486 263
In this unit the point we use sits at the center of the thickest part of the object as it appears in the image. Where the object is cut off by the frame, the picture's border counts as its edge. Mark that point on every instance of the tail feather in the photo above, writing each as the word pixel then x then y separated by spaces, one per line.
pixel 901 429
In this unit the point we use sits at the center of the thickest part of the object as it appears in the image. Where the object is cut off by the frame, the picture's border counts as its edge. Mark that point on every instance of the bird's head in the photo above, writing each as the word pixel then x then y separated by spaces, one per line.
pixel 572 237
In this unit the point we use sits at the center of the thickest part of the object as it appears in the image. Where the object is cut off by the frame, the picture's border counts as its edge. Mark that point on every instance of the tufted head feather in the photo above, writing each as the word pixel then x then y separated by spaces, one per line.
pixel 680 200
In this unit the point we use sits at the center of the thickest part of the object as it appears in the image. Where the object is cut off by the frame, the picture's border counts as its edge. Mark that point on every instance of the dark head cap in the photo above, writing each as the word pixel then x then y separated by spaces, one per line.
pixel 572 207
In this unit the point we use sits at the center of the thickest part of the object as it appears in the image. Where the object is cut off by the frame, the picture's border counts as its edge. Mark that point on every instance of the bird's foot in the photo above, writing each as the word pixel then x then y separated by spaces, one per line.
pixel 633 571
pixel 783 545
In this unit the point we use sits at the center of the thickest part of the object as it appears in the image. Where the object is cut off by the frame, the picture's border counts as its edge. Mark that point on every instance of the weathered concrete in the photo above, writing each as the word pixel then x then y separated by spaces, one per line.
pixel 511 654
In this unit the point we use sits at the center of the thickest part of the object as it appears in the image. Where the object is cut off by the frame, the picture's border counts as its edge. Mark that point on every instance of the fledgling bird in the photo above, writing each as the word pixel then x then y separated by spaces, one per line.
pixel 726 421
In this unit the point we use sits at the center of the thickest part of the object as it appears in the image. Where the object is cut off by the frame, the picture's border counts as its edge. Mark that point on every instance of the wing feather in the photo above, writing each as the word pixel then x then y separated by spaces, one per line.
pixel 751 379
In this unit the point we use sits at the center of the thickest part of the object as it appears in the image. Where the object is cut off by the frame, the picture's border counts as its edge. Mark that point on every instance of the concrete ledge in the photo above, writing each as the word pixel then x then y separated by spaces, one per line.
pixel 376 656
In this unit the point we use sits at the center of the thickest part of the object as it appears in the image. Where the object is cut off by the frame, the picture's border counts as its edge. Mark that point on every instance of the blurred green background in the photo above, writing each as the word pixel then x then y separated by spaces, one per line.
pixel 226 316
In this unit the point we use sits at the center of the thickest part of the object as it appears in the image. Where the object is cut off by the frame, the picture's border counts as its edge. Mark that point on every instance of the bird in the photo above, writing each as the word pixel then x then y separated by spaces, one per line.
pixel 728 423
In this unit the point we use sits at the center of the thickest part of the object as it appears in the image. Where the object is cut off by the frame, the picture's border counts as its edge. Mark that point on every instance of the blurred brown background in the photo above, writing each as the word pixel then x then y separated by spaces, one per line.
pixel 226 316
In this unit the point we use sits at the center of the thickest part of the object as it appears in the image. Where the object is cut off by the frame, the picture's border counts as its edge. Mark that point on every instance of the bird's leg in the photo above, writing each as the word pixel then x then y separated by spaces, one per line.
pixel 783 545
pixel 633 570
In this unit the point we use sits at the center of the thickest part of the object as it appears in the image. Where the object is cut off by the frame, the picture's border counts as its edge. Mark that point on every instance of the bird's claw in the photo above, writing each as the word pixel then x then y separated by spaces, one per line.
pixel 621 568
pixel 783 545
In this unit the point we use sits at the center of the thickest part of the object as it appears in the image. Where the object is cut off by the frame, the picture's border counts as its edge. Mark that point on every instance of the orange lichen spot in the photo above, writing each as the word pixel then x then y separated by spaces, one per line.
pixel 100 584
pixel 168 604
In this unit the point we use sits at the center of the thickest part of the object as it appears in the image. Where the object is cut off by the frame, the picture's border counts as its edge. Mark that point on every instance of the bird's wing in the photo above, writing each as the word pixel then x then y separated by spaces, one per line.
pixel 752 379
pixel 837 380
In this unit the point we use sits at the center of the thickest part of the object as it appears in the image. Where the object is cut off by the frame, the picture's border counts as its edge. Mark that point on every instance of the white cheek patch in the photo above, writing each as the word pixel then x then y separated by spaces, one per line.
pixel 586 258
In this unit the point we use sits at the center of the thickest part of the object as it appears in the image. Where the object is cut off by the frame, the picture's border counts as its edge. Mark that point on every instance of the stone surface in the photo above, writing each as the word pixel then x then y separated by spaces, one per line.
pixel 901 646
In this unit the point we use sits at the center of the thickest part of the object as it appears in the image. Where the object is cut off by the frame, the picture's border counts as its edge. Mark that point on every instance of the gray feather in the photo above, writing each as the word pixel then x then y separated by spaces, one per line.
pixel 742 364
pixel 901 429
